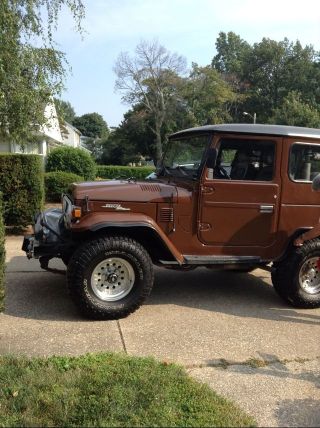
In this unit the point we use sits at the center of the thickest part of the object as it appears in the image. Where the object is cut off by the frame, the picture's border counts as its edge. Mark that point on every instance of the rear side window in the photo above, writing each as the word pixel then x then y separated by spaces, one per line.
pixel 304 162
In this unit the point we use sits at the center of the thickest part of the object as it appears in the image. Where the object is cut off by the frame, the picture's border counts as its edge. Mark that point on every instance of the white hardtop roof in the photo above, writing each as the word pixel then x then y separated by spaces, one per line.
pixel 256 129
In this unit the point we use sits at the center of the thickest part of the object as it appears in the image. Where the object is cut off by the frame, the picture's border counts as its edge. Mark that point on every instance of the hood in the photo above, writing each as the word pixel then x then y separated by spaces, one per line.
pixel 125 191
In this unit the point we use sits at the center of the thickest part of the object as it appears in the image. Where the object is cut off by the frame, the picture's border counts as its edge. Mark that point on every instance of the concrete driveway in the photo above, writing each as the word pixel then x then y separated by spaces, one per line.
pixel 229 330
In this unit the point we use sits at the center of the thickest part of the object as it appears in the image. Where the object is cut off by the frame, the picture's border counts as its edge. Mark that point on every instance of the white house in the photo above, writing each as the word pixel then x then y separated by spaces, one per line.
pixel 52 134
pixel 50 137
pixel 71 136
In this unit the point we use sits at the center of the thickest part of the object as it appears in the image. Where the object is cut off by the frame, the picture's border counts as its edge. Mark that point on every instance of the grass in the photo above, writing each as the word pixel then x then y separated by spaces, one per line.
pixel 108 390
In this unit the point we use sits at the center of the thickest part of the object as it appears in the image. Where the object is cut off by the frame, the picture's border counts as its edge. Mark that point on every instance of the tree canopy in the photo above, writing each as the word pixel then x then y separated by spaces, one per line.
pixel 266 72
pixel 95 129
pixel 31 68
pixel 91 125
pixel 208 97
pixel 151 78
pixel 278 81
pixel 65 111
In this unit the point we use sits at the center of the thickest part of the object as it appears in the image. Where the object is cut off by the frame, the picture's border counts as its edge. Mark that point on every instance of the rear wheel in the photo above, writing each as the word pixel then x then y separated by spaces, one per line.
pixel 297 278
pixel 110 277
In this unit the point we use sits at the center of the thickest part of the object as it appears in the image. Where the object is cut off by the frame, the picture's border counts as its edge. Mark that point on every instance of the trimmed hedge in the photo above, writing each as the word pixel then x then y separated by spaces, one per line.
pixel 117 171
pixel 2 257
pixel 70 159
pixel 58 182
pixel 21 182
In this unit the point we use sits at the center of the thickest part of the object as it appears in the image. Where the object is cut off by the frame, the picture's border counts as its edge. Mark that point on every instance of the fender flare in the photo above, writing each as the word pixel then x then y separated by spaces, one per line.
pixel 307 235
pixel 134 224
pixel 294 240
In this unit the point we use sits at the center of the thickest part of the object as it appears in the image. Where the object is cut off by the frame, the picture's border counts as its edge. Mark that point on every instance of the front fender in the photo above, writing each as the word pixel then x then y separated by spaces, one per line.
pixel 96 221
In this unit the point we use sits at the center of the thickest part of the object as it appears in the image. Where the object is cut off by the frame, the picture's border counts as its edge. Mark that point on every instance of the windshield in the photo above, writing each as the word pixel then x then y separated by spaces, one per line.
pixel 183 156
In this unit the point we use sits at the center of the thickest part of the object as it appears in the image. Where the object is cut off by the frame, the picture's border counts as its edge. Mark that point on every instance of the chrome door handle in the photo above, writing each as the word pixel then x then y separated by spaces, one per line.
pixel 265 209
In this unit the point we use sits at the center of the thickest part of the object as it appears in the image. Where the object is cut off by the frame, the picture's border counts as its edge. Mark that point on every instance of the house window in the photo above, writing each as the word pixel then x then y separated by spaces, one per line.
pixel 245 159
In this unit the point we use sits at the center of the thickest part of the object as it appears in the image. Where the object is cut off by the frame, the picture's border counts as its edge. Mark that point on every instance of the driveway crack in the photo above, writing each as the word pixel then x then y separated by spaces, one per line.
pixel 122 337
pixel 251 362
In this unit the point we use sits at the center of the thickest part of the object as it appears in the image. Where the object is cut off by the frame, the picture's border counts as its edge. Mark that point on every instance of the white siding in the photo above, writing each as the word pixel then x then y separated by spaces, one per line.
pixel 70 135
pixel 51 129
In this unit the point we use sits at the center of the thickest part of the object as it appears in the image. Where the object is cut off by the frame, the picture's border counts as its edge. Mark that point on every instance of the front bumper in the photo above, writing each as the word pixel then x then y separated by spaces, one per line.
pixel 35 249
pixel 50 235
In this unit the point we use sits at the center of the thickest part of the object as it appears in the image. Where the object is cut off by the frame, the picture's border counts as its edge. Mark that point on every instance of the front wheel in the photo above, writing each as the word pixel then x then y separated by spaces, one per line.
pixel 297 278
pixel 110 277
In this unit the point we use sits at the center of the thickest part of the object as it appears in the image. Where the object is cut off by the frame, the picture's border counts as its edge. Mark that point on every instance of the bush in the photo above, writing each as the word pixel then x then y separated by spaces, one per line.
pixel 58 182
pixel 21 182
pixel 117 171
pixel 70 159
pixel 2 257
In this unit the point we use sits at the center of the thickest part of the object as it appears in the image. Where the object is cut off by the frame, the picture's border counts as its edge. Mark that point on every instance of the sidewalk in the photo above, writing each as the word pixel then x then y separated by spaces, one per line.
pixel 229 330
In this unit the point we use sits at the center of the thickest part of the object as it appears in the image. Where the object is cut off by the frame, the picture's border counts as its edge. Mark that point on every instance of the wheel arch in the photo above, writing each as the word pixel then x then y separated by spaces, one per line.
pixel 146 235
pixel 292 242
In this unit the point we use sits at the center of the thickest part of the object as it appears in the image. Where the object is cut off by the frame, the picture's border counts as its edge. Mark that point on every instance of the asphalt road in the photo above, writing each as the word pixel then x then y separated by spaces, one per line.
pixel 229 330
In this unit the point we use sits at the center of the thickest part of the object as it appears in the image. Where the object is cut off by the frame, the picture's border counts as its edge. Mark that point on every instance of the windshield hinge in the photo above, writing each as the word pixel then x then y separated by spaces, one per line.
pixel 87 203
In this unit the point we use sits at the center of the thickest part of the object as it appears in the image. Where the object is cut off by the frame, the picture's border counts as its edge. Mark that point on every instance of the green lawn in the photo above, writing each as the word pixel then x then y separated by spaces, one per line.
pixel 108 390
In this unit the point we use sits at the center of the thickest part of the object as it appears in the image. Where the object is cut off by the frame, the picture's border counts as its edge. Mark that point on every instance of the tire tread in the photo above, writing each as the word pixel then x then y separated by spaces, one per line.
pixel 82 257
pixel 284 276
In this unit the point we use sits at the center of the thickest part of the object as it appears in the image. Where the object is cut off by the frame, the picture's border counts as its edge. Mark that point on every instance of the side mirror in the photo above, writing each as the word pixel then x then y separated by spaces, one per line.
pixel 211 158
pixel 316 183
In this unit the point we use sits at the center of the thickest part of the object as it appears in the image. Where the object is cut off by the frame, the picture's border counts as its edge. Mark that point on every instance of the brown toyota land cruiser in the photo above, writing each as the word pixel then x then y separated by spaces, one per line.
pixel 233 197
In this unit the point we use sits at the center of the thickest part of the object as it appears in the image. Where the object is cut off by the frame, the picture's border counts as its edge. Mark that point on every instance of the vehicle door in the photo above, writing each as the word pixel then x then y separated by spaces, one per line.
pixel 239 198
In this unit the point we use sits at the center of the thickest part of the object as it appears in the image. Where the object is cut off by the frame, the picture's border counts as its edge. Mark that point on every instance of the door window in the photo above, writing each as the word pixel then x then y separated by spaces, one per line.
pixel 245 159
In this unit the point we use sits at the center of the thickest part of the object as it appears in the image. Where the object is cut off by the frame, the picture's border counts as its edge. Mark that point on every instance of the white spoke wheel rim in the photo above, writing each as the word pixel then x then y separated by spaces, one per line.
pixel 309 275
pixel 112 279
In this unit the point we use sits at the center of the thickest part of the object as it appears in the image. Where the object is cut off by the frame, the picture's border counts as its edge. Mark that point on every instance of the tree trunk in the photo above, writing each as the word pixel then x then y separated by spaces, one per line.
pixel 158 144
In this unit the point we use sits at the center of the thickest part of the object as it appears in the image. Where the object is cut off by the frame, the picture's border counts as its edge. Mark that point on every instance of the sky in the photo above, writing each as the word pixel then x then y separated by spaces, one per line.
pixel 187 27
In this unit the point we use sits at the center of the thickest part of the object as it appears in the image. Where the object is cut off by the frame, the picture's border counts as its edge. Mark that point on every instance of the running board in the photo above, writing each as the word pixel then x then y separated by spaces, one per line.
pixel 221 260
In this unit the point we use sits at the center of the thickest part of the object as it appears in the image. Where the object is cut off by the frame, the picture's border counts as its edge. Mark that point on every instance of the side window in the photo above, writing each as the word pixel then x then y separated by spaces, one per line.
pixel 304 162
pixel 244 159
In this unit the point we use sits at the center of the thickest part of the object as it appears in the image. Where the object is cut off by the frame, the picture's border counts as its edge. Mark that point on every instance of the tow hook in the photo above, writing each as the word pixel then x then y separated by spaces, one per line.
pixel 28 244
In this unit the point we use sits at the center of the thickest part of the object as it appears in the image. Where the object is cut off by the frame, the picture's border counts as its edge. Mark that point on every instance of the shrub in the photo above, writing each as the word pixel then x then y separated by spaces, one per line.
pixel 21 182
pixel 117 171
pixel 70 159
pixel 2 257
pixel 58 182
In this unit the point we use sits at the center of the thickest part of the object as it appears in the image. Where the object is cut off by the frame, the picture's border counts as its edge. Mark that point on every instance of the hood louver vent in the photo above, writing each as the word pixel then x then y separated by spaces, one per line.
pixel 150 187
pixel 166 215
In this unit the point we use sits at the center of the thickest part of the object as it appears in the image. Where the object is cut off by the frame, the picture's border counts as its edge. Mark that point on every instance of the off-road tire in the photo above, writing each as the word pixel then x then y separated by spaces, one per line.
pixel 84 262
pixel 285 276
pixel 65 257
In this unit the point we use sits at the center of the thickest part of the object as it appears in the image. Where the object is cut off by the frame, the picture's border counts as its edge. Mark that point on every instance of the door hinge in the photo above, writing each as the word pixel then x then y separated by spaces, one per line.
pixel 207 189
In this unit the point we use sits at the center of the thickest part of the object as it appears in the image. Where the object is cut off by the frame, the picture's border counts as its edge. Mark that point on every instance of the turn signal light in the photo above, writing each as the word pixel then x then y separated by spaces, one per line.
pixel 76 212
